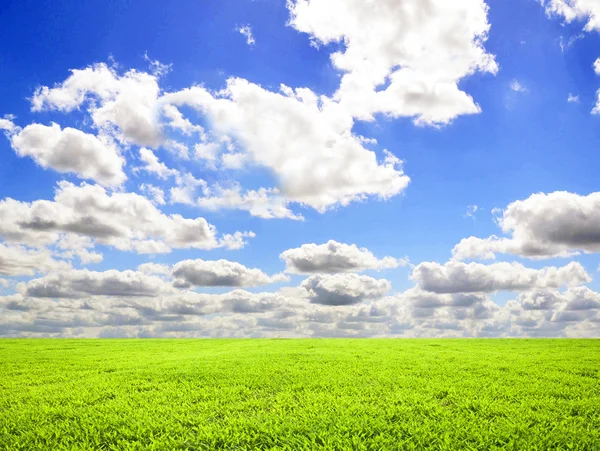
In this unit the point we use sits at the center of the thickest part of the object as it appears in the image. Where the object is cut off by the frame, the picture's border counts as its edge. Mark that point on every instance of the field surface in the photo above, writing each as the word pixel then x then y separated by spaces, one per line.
pixel 299 394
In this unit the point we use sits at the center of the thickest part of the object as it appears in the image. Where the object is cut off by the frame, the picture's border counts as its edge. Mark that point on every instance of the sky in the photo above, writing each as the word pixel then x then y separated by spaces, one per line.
pixel 300 168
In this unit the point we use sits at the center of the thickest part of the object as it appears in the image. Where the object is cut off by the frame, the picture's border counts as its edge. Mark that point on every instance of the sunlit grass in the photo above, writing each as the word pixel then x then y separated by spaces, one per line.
pixel 299 394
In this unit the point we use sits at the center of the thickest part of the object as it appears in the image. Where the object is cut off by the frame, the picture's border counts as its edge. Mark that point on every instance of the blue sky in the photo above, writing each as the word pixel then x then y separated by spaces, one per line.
pixel 526 67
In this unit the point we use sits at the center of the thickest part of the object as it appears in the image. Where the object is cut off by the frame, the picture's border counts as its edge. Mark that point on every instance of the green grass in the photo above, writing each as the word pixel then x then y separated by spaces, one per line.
pixel 299 394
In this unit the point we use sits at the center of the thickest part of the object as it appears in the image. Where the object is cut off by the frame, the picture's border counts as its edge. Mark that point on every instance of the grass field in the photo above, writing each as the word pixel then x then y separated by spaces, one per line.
pixel 299 394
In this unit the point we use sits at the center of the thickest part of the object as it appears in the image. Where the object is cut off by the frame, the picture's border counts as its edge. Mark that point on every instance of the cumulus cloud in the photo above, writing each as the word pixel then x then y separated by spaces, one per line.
pixel 570 10
pixel 401 58
pixel 334 257
pixel 126 221
pixel 70 150
pixel 154 166
pixel 220 273
pixel 77 245
pixel 306 140
pixel 8 126
pixel 157 195
pixel 123 105
pixel 459 277
pixel 81 283
pixel 266 203
pixel 344 289
pixel 21 261
pixel 558 224
pixel 154 268
pixel 178 122
pixel 184 191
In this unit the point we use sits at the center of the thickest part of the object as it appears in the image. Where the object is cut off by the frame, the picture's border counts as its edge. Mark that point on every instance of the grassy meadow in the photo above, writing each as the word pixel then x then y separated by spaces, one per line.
pixel 321 394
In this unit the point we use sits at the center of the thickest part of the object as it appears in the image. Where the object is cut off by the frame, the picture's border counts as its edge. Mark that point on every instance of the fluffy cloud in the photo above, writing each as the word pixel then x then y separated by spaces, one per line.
pixel 401 58
pixel 126 106
pixel 154 166
pixel 544 225
pixel 458 277
pixel 178 122
pixel 20 261
pixel 220 273
pixel 157 195
pixel 71 150
pixel 264 203
pixel 586 10
pixel 81 283
pixel 344 289
pixel 126 221
pixel 78 245
pixel 306 140
pixel 154 268
pixel 8 126
pixel 334 257
pixel 573 299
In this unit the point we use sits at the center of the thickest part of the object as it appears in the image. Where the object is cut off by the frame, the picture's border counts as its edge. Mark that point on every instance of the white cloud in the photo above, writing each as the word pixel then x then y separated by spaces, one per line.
pixel 157 195
pixel 334 257
pixel 185 190
pixel 154 268
pixel 306 140
pixel 220 273
pixel 570 10
pixel 597 66
pixel 246 31
pixel 21 261
pixel 157 68
pixel 78 245
pixel 126 221
pixel 572 98
pixel 154 166
pixel 178 122
pixel 130 303
pixel 458 277
pixel 558 224
pixel 420 49
pixel 516 86
pixel 81 283
pixel 177 149
pixel 344 289
pixel 264 203
pixel 207 151
pixel 124 105
pixel 8 126
pixel 71 151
